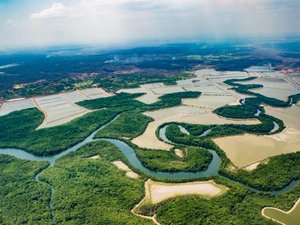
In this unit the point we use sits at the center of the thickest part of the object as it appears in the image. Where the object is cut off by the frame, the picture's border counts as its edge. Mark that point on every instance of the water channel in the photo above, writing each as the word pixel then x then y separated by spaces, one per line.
pixel 130 154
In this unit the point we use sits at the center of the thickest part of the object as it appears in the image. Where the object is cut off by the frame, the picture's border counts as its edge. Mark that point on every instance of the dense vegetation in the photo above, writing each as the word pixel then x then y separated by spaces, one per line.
pixel 51 140
pixel 196 159
pixel 277 173
pixel 284 168
pixel 265 126
pixel 120 101
pixel 23 200
pixel 94 191
pixel 57 70
pixel 91 191
pixel 249 109
pixel 238 111
pixel 38 74
pixel 126 101
pixel 129 125
pixel 174 134
pixel 237 206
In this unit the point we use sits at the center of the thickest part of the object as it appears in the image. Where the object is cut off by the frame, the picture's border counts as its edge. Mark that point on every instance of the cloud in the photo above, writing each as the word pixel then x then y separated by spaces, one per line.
pixel 106 22
pixel 12 23
pixel 57 10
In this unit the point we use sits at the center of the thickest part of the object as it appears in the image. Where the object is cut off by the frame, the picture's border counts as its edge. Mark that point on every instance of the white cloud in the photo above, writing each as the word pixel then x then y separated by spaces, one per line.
pixel 120 21
pixel 57 10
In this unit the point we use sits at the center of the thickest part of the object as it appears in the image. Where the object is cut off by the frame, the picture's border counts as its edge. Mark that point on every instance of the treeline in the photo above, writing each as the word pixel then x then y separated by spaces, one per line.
pixel 195 159
pixel 130 124
pixel 122 101
pixel 259 98
pixel 239 111
pixel 276 174
pixel 174 134
pixel 173 99
pixel 237 206
pixel 125 101
pixel 49 141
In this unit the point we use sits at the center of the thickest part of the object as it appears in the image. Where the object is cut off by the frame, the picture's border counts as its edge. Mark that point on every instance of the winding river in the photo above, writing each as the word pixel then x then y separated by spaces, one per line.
pixel 130 154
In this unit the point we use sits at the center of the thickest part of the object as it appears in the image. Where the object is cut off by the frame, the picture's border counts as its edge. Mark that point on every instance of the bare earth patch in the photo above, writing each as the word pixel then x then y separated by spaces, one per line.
pixel 157 191
pixel 129 173
pixel 244 150
pixel 187 114
pixel 59 108
pixel 251 167
pixel 248 149
pixel 179 152
pixel 207 81
pixel 15 105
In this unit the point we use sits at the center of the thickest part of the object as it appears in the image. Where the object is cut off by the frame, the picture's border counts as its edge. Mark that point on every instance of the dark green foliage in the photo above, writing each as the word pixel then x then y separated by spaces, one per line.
pixel 259 99
pixel 129 125
pixel 125 101
pixel 23 200
pixel 89 191
pixel 237 207
pixel 117 82
pixel 239 111
pixel 174 134
pixel 119 101
pixel 285 167
pixel 53 140
pixel 93 191
pixel 173 99
pixel 265 127
pixel 197 159
pixel 14 133
pixel 276 174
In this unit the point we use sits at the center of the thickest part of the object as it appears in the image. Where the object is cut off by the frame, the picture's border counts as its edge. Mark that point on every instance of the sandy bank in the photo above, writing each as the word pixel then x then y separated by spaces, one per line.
pixel 129 173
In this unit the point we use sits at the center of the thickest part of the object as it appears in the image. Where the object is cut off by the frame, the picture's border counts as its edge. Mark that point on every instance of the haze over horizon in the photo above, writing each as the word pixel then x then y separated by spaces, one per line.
pixel 45 23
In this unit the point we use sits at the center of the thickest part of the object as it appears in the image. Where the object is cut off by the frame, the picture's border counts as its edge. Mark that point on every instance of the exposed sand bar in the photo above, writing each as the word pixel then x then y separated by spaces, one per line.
pixel 157 191
pixel 187 114
pixel 247 149
pixel 180 153
pixel 129 173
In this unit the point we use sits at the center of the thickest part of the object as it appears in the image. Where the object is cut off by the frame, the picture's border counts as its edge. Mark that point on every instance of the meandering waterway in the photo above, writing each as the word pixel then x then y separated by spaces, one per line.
pixel 130 154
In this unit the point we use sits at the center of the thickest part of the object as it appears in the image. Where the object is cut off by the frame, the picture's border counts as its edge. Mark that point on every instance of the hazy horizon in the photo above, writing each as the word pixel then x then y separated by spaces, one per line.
pixel 130 22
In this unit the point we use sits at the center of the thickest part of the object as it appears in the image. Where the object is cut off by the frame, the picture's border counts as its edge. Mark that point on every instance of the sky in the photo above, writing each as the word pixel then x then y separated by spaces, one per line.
pixel 42 23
